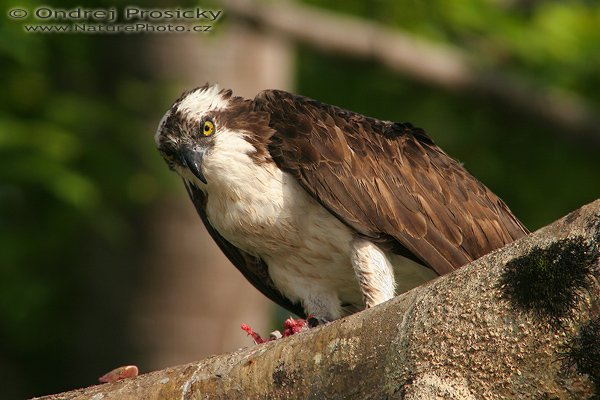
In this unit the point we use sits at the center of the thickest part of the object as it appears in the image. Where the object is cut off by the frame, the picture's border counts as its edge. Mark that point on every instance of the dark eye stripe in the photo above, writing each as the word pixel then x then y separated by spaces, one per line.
pixel 168 149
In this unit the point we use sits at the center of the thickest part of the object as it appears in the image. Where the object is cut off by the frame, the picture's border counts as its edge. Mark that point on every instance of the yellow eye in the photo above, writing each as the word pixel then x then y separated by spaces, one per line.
pixel 208 128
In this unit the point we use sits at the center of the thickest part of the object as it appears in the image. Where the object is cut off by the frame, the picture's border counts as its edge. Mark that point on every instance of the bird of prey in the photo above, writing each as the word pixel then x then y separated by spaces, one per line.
pixel 326 211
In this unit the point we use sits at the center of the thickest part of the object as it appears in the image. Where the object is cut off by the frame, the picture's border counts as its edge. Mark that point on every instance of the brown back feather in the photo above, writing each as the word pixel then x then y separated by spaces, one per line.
pixel 388 181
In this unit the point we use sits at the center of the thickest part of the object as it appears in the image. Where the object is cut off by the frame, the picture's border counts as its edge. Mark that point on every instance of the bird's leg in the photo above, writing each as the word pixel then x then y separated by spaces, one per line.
pixel 321 305
pixel 373 272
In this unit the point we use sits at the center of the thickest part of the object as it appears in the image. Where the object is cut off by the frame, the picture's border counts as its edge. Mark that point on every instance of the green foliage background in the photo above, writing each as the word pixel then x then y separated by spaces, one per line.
pixel 78 169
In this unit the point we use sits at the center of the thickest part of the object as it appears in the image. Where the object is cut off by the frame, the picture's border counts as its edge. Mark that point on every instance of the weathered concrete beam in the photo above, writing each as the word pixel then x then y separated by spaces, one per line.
pixel 520 322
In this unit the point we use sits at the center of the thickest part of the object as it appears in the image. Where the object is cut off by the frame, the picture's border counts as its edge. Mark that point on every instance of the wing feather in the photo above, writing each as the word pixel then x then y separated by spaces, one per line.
pixel 388 181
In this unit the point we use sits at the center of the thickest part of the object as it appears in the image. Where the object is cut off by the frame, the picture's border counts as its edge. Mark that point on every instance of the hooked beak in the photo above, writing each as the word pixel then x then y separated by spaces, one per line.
pixel 192 158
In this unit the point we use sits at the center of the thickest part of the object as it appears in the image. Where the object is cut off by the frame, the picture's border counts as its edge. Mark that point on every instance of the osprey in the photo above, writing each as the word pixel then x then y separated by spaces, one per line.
pixel 324 210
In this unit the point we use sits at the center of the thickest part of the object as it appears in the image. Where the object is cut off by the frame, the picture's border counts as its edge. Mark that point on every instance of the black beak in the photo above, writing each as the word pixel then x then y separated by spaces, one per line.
pixel 192 158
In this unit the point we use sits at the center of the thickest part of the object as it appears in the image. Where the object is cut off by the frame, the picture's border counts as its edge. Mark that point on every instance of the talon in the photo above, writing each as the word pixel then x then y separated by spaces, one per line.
pixel 316 321
pixel 275 335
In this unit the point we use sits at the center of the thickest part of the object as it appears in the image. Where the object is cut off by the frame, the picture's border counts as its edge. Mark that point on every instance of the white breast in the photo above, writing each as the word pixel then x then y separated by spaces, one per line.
pixel 265 212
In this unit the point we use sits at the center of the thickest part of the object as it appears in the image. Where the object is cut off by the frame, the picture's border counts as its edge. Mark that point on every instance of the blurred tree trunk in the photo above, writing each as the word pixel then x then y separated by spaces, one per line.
pixel 466 335
pixel 193 300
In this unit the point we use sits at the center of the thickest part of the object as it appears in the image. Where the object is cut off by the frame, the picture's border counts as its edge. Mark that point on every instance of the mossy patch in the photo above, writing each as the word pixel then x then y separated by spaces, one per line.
pixel 583 352
pixel 549 282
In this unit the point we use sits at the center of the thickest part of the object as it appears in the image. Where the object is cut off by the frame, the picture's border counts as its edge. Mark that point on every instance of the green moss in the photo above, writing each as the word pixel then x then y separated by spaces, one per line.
pixel 583 352
pixel 548 282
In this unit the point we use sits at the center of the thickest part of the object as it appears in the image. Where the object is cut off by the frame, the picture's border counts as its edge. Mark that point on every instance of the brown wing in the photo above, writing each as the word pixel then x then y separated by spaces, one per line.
pixel 253 268
pixel 388 181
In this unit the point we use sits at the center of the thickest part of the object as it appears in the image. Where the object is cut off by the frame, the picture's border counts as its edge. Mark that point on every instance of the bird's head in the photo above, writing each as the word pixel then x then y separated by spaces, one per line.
pixel 202 129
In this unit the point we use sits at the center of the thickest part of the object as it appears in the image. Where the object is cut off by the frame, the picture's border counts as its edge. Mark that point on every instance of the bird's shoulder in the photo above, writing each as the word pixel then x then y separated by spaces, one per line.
pixel 302 122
